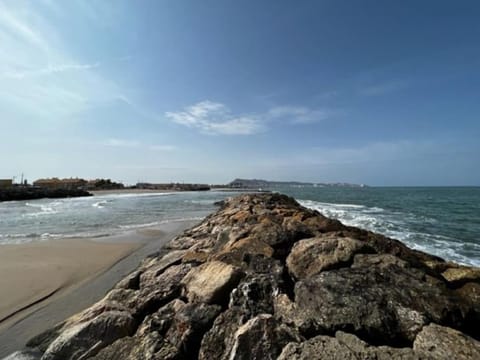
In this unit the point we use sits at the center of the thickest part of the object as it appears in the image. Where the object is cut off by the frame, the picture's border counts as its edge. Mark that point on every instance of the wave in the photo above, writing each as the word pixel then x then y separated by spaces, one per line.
pixel 45 209
pixel 397 225
pixel 156 223
pixel 134 195
pixel 200 202
pixel 100 204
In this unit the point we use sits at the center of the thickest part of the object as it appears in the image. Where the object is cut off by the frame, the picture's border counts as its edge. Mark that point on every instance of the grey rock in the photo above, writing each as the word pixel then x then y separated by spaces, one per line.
pixel 85 339
pixel 261 337
pixel 344 346
pixel 444 343
pixel 387 305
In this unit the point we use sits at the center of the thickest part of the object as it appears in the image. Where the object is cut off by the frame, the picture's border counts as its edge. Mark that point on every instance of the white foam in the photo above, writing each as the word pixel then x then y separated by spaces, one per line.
pixel 100 204
pixel 134 195
pixel 395 225
pixel 156 223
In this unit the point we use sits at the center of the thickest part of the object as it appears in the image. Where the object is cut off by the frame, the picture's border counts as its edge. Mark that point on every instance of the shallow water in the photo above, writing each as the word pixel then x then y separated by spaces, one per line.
pixel 99 216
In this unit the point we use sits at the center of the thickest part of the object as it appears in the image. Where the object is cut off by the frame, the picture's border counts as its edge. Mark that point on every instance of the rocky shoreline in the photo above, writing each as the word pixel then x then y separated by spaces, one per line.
pixel 32 193
pixel 265 278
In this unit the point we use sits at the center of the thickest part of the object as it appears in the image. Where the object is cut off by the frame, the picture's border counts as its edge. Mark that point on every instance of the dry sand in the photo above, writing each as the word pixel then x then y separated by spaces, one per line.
pixel 43 283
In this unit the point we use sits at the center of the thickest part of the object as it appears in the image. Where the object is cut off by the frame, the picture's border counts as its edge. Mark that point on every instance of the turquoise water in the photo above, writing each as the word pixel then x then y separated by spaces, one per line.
pixel 444 221
pixel 441 221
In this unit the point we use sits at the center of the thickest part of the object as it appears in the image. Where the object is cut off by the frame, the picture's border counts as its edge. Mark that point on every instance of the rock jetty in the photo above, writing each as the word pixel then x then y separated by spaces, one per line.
pixel 32 192
pixel 265 278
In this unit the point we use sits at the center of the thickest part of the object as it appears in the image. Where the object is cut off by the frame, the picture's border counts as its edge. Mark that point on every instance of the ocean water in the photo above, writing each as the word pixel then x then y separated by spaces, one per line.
pixel 99 216
pixel 440 221
pixel 444 221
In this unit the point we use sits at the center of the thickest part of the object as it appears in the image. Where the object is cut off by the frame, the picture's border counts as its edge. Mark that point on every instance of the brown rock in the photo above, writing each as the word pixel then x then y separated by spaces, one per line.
pixel 460 275
pixel 211 282
pixel 312 256
pixel 444 343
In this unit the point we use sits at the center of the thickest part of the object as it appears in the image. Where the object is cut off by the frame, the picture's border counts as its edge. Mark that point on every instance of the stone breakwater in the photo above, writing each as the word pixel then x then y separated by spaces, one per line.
pixel 31 193
pixel 265 278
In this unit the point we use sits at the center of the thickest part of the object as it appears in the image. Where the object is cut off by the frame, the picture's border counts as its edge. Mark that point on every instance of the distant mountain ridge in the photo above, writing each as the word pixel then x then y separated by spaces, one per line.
pixel 259 183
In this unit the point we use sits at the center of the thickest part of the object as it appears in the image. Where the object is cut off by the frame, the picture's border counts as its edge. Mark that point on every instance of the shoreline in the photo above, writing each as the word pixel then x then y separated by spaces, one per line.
pixel 69 292
pixel 129 191
pixel 35 272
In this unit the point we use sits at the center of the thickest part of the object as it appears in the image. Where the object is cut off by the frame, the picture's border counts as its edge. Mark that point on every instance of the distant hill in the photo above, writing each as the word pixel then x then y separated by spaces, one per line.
pixel 258 183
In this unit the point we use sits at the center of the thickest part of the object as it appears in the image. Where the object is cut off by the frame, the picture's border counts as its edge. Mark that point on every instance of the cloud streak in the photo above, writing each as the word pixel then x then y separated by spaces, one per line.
pixel 40 77
pixel 135 144
pixel 50 70
pixel 299 114
pixel 216 118
pixel 383 88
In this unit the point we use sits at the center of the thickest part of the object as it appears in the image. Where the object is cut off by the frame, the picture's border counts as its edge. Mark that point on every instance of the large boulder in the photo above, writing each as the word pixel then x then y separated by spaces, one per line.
pixel 443 343
pixel 345 346
pixel 383 305
pixel 261 337
pixel 85 339
pixel 211 282
pixel 312 256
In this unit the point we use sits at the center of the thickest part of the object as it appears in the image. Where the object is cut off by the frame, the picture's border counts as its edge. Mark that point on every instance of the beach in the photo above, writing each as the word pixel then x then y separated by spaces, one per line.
pixel 36 271
pixel 43 283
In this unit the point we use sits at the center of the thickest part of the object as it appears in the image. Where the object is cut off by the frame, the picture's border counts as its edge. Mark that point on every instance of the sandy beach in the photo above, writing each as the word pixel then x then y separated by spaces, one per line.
pixel 36 271
pixel 43 283
pixel 129 191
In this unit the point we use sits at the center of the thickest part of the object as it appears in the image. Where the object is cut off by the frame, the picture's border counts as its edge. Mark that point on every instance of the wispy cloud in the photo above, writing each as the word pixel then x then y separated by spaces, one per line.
pixel 383 88
pixel 121 143
pixel 216 118
pixel 136 144
pixel 49 70
pixel 40 76
pixel 162 147
pixel 21 30
pixel 299 114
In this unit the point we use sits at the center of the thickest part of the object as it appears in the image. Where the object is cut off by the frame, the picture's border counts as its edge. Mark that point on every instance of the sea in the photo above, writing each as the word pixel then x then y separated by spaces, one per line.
pixel 444 221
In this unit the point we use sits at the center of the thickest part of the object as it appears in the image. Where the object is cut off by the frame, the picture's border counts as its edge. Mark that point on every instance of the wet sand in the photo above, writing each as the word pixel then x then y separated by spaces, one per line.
pixel 36 271
pixel 129 191
pixel 44 283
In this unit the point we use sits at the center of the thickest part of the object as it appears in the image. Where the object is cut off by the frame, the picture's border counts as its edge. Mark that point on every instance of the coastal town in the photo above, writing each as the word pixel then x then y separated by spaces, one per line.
pixel 73 187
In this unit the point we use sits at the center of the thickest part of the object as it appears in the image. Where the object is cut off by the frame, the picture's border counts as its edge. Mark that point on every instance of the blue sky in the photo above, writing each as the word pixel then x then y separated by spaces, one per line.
pixel 377 92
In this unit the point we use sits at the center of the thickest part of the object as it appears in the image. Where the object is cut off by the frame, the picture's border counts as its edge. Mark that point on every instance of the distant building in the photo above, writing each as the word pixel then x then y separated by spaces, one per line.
pixel 56 183
pixel 6 183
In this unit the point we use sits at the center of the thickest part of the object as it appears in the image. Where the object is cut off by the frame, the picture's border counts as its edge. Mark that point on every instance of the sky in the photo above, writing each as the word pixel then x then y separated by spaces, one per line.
pixel 380 92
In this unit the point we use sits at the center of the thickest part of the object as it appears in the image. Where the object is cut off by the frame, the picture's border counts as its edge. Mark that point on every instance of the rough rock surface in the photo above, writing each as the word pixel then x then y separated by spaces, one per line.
pixel 211 282
pixel 346 347
pixel 441 343
pixel 312 256
pixel 265 278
